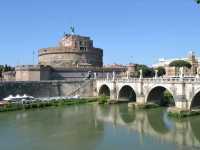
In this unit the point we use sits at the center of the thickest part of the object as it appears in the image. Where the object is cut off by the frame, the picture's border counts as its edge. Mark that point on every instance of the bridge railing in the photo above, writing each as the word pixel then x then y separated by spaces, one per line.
pixel 157 80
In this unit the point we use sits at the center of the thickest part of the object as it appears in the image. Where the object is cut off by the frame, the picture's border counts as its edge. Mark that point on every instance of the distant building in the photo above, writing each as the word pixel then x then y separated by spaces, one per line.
pixel 172 71
pixel 175 71
pixel 75 58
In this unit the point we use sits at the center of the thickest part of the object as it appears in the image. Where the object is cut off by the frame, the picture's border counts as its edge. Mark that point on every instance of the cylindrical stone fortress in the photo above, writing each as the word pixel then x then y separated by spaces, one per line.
pixel 73 51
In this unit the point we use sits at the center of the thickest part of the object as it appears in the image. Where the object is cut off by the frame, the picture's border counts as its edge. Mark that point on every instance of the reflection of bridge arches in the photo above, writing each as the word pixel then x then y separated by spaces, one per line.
pixel 104 91
pixel 194 122
pixel 127 93
pixel 195 101
pixel 155 119
pixel 161 96
pixel 105 110
pixel 126 114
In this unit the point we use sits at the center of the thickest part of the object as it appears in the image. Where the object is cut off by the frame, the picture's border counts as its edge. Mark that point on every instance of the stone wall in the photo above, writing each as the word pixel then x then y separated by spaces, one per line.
pixel 47 88
pixel 32 73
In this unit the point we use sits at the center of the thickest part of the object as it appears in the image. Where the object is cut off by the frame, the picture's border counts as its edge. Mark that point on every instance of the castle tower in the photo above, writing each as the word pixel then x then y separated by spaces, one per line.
pixel 72 51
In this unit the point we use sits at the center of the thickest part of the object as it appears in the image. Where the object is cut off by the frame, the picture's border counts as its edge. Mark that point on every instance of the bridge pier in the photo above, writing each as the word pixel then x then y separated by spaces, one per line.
pixel 182 104
pixel 180 96
pixel 113 92
pixel 140 99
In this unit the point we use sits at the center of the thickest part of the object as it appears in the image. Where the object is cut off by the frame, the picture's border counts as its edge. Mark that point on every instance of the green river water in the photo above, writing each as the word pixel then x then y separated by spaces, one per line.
pixel 94 127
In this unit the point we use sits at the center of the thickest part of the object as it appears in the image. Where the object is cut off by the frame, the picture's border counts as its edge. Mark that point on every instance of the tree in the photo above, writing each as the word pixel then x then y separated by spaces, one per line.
pixel 198 1
pixel 146 71
pixel 180 63
pixel 5 68
pixel 161 71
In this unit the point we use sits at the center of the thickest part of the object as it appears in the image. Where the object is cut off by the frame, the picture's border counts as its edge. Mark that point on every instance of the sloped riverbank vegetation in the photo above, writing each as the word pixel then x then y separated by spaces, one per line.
pixel 177 113
pixel 43 104
pixel 103 99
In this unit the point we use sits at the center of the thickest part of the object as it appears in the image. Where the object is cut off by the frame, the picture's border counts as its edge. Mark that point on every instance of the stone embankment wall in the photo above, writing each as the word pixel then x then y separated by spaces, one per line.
pixel 83 88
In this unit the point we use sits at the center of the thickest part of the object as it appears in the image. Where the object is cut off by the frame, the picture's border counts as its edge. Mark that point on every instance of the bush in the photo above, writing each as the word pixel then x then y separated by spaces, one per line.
pixel 168 98
pixel 103 99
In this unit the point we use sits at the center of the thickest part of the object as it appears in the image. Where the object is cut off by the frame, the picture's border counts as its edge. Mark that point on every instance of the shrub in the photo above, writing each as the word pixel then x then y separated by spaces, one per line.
pixel 103 99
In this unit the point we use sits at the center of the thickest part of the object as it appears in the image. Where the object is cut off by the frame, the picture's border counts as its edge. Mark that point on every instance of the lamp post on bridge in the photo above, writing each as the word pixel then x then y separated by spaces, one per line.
pixel 95 75
pixel 107 76
pixel 197 75
pixel 181 73
pixel 156 74
pixel 141 75
pixel 127 75
pixel 113 76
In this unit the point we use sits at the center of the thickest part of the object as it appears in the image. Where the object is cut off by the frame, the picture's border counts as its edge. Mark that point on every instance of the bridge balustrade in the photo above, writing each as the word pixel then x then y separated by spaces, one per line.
pixel 155 80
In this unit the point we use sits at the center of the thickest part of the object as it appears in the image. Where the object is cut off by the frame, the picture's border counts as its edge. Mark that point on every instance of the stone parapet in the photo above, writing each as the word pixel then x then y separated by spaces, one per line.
pixel 31 68
pixel 57 50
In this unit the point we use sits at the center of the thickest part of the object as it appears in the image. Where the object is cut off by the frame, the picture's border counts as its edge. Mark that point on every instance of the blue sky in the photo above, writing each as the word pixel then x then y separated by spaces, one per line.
pixel 138 31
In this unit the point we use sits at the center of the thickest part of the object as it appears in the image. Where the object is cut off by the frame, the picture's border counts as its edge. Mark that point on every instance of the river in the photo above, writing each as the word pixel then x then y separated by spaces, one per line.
pixel 94 127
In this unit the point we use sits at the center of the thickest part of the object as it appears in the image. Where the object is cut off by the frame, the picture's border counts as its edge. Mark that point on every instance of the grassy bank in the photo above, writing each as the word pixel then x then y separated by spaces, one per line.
pixel 43 104
pixel 103 99
pixel 176 113
pixel 143 106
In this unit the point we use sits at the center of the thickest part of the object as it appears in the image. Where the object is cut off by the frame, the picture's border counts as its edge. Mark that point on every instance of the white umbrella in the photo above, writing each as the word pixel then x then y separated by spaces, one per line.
pixel 18 96
pixel 6 99
pixel 25 96
pixel 10 97
pixel 31 97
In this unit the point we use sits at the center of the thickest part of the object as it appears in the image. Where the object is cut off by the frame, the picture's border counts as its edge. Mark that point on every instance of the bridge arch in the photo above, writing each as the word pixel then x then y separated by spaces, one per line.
pixel 127 93
pixel 195 103
pixel 160 95
pixel 104 91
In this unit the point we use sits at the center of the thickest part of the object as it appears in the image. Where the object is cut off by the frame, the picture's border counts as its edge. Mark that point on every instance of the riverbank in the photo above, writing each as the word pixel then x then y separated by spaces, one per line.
pixel 43 104
pixel 142 106
pixel 179 113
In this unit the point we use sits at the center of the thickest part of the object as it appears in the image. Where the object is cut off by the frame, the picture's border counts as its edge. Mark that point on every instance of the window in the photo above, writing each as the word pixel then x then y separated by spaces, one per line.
pixel 83 48
pixel 80 43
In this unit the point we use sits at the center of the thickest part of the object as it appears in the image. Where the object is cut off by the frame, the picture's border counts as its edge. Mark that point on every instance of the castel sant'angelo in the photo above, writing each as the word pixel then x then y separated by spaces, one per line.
pixel 74 58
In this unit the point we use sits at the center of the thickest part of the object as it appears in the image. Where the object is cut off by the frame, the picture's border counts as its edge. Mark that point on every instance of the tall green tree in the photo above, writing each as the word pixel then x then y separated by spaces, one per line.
pixel 147 71
pixel 180 63
pixel 161 71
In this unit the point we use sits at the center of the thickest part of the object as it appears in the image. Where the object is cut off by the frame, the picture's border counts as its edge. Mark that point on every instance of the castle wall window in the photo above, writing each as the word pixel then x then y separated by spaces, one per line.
pixel 83 49
pixel 80 43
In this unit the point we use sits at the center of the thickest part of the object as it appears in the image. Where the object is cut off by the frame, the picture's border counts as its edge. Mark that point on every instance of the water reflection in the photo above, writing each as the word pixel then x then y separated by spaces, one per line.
pixel 194 123
pixel 50 129
pixel 96 127
pixel 157 124
pixel 127 114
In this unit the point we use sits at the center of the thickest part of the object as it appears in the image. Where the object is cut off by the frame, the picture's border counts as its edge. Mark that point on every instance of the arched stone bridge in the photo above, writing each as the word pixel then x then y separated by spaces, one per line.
pixel 185 91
